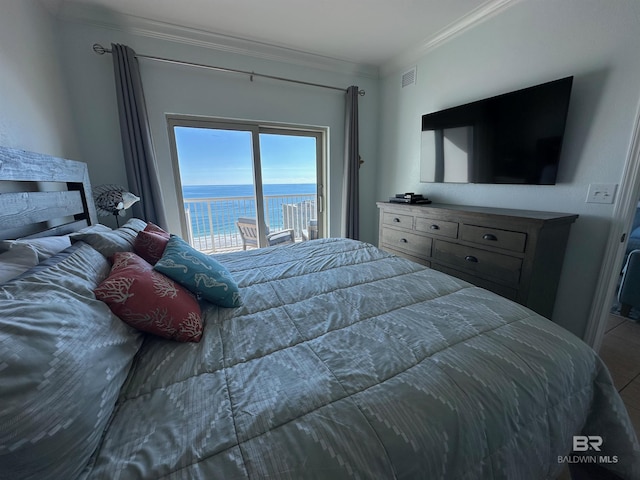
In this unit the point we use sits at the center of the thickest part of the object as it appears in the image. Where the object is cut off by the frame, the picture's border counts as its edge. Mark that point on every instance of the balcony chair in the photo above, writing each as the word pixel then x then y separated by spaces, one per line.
pixel 629 293
pixel 249 233
pixel 634 237
pixel 311 232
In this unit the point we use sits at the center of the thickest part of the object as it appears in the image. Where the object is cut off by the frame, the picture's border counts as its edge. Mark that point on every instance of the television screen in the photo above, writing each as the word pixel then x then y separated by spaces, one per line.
pixel 512 138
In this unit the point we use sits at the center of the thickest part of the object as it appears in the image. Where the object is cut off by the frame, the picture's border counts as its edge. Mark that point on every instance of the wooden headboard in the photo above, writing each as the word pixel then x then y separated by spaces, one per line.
pixel 43 195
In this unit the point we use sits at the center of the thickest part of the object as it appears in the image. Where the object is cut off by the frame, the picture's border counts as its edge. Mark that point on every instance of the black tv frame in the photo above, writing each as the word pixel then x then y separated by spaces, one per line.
pixel 513 138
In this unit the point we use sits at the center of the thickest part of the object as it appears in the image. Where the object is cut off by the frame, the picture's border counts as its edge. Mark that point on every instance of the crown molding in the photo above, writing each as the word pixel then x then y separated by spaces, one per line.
pixel 144 27
pixel 474 18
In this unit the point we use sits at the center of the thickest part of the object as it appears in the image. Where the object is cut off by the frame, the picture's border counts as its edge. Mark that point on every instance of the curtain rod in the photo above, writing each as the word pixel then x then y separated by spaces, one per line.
pixel 100 50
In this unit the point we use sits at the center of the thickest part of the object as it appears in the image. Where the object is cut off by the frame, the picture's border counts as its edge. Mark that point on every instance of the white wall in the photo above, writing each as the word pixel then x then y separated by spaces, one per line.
pixel 171 89
pixel 34 104
pixel 529 43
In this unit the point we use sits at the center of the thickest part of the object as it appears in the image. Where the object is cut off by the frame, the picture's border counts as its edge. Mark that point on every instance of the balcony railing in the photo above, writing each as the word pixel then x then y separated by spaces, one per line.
pixel 211 222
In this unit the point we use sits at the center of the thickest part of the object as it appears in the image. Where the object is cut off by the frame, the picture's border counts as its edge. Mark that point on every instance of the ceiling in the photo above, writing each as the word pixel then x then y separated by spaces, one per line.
pixel 368 32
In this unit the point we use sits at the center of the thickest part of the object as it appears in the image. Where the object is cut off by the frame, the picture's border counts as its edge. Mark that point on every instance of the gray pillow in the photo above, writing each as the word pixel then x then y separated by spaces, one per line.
pixel 63 360
pixel 16 261
pixel 45 247
pixel 108 241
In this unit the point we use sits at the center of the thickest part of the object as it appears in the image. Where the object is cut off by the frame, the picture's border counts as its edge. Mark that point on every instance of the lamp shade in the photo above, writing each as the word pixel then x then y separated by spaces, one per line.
pixel 112 200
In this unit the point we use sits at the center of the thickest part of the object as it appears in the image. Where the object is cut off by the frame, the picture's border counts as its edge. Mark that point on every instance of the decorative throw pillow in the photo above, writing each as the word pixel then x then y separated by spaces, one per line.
pixel 198 272
pixel 150 243
pixel 149 301
pixel 152 227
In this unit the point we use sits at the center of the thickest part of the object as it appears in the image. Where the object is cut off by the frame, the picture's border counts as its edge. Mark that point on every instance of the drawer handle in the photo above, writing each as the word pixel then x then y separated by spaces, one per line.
pixel 489 236
pixel 471 258
pixel 434 227
pixel 404 240
pixel 397 220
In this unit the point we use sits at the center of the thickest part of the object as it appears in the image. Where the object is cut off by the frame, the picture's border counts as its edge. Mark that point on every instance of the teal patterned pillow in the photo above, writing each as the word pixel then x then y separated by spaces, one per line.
pixel 199 273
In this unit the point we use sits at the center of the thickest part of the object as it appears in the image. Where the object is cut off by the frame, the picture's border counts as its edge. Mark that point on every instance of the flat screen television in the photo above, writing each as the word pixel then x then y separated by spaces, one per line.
pixel 514 138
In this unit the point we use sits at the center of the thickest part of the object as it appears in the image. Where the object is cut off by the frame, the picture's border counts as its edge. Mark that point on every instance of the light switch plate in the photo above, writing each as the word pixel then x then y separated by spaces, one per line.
pixel 601 193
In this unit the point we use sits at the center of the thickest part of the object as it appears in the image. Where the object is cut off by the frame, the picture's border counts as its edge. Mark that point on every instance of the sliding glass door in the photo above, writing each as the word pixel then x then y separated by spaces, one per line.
pixel 291 186
pixel 245 185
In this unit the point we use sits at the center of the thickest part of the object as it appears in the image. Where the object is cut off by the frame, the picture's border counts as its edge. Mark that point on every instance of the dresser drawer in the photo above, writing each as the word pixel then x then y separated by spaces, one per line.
pixel 406 241
pixel 507 240
pixel 501 268
pixel 408 256
pixel 503 291
pixel 437 227
pixel 398 220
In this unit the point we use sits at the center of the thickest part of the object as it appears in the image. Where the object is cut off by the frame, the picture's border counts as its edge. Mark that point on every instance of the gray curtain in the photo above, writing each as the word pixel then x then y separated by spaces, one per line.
pixel 350 191
pixel 137 146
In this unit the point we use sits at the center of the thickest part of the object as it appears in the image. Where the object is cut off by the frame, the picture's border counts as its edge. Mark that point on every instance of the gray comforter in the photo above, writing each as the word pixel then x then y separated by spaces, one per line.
pixel 347 362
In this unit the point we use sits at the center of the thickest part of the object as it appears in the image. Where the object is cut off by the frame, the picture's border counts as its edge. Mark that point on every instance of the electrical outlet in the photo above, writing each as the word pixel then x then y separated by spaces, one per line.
pixel 601 193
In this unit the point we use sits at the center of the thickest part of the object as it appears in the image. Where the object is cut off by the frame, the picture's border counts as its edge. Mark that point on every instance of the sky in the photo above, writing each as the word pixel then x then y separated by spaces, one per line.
pixel 224 157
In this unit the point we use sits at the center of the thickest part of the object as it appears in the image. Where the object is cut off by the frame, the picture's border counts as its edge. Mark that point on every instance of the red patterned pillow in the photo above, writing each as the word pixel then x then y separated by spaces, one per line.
pixel 149 301
pixel 151 242
pixel 152 227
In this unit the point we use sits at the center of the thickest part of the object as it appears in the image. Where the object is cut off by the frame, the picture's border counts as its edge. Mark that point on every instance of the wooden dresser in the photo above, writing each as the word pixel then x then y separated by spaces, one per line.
pixel 515 253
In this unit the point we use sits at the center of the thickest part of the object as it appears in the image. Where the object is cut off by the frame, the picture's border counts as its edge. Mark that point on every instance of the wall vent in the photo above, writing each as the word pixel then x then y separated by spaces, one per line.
pixel 409 77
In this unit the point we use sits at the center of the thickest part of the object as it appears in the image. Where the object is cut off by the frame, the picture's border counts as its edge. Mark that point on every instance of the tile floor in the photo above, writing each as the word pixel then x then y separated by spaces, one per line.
pixel 621 353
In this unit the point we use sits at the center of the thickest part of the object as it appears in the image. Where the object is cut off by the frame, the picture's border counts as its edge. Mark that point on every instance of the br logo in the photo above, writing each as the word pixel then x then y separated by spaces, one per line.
pixel 583 443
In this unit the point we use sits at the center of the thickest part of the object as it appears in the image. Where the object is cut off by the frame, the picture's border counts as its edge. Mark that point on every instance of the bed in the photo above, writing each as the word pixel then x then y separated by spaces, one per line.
pixel 340 361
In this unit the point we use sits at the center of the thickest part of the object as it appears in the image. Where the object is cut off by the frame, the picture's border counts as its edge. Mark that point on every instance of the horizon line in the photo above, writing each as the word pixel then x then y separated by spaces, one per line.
pixel 243 184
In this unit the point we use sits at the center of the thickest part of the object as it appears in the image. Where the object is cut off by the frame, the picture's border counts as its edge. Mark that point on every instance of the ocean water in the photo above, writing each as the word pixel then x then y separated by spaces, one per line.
pixel 222 191
pixel 218 217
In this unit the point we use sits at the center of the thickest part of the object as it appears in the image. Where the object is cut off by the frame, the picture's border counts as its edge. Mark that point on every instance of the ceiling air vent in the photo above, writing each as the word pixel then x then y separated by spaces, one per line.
pixel 409 77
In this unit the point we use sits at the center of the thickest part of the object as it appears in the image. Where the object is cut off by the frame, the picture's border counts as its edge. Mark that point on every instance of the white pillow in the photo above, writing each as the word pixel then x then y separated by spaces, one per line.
pixel 45 247
pixel 17 260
